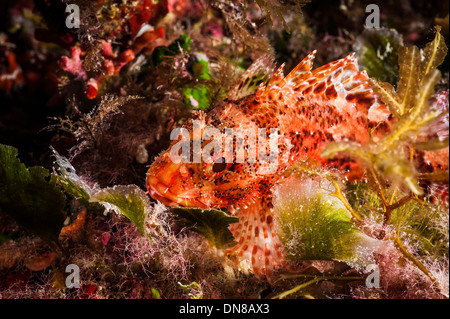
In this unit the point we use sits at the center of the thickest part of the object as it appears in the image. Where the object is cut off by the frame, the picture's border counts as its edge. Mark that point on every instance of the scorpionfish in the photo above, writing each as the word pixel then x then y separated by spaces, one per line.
pixel 309 108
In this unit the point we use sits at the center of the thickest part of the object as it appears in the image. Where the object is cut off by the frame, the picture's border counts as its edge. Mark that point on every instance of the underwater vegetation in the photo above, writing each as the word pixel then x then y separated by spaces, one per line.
pixel 358 208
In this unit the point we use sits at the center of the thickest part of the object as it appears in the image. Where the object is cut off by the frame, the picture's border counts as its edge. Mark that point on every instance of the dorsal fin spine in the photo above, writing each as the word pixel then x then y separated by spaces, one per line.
pixel 340 79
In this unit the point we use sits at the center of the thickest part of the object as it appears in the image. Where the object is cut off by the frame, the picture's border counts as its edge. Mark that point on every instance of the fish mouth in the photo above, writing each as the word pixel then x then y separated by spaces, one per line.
pixel 161 192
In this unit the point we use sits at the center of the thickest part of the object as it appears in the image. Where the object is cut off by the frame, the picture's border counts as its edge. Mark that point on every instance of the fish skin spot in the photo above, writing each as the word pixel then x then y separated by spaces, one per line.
pixel 330 92
pixel 307 90
pixel 319 88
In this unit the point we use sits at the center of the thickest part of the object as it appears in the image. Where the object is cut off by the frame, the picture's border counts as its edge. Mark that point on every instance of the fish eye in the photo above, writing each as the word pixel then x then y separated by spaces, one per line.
pixel 216 167
pixel 219 165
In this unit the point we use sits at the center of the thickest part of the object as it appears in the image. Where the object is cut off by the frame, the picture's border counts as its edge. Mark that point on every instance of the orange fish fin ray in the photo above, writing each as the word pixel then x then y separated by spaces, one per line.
pixel 278 80
pixel 297 73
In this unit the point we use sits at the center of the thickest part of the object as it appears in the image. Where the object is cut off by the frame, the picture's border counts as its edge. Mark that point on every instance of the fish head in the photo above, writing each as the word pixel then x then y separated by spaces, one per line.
pixel 214 179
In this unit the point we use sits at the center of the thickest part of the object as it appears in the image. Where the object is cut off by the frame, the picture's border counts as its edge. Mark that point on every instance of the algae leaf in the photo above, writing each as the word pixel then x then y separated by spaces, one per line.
pixel 409 103
pixel 418 76
pixel 73 184
pixel 31 197
pixel 127 200
pixel 377 51
pixel 212 224
pixel 313 224
pixel 326 232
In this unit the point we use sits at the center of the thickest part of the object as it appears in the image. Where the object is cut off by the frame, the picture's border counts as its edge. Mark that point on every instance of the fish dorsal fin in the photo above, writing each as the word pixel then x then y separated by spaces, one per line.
pixel 278 78
pixel 249 81
pixel 340 79
pixel 335 74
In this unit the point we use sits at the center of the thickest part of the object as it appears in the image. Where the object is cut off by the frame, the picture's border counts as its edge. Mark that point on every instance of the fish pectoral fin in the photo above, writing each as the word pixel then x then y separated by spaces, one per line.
pixel 258 248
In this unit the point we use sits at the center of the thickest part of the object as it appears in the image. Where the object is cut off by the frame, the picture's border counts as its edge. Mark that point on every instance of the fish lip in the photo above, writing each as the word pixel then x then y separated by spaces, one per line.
pixel 156 187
